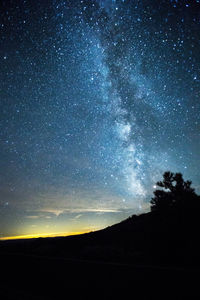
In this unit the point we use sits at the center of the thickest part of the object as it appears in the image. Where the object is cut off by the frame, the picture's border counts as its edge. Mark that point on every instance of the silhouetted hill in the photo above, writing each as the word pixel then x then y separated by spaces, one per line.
pixel 135 256
pixel 154 238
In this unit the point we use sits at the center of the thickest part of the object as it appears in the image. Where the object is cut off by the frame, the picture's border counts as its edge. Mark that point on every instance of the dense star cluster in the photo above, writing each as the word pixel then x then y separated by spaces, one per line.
pixel 98 98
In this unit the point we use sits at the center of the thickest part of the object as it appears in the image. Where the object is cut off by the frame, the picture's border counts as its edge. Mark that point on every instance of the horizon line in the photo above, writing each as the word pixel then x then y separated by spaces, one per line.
pixel 42 235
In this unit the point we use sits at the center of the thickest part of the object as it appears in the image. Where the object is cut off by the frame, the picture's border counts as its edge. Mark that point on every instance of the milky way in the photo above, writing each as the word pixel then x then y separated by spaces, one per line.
pixel 98 99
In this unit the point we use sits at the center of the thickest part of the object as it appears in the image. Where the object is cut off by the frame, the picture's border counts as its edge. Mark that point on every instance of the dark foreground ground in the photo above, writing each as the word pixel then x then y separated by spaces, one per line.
pixel 146 256
pixel 32 277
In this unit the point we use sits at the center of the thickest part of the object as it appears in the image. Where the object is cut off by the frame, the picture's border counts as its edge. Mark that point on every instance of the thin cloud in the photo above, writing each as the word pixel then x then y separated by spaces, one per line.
pixel 58 212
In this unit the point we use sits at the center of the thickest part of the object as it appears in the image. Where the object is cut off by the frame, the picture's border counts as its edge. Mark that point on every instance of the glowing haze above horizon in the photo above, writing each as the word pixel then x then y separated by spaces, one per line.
pixel 98 99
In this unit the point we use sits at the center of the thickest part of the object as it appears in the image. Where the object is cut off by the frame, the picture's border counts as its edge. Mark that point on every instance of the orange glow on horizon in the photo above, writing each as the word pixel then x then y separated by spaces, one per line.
pixel 42 235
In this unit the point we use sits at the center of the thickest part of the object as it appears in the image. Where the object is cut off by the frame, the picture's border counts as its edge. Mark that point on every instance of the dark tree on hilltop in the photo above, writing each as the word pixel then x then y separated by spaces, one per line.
pixel 175 194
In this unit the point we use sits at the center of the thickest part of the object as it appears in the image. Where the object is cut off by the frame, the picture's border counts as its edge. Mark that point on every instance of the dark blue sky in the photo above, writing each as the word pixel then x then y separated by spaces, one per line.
pixel 98 99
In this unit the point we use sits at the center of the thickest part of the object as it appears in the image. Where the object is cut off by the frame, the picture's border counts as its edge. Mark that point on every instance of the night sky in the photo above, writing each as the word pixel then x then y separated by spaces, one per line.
pixel 97 100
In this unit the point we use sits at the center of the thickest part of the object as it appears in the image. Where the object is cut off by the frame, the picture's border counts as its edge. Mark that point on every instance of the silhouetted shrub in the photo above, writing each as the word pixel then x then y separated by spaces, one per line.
pixel 176 194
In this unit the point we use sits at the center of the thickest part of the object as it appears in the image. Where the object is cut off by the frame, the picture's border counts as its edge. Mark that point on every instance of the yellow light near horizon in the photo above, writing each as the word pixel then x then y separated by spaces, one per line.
pixel 41 235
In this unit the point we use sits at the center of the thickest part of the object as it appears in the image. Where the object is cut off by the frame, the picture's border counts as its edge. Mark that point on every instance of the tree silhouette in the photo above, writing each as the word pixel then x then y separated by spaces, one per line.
pixel 175 194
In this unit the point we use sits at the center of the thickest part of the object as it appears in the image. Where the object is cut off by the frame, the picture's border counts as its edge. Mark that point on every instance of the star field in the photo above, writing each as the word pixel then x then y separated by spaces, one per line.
pixel 98 99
